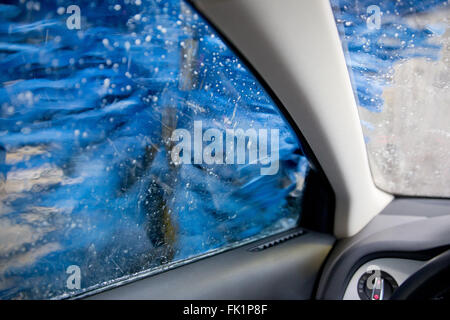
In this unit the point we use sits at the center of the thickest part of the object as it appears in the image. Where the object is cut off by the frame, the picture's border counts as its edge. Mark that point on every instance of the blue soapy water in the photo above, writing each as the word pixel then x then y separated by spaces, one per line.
pixel 99 190
pixel 371 52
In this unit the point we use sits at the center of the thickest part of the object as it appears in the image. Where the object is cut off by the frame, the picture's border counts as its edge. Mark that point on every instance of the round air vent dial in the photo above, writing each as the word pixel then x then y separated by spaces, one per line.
pixel 376 285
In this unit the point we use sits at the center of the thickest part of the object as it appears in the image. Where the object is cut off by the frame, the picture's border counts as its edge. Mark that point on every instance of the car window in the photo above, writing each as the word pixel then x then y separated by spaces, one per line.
pixel 132 139
pixel 398 56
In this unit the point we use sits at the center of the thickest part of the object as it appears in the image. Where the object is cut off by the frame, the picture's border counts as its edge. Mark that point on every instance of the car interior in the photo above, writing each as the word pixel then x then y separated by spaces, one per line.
pixel 369 226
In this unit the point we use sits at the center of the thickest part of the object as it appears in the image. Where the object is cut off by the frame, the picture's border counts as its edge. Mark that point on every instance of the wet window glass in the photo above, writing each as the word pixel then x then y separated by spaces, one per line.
pixel 398 56
pixel 131 139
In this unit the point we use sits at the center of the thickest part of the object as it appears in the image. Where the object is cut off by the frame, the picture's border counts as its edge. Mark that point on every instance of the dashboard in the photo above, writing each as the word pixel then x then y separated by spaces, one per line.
pixel 397 244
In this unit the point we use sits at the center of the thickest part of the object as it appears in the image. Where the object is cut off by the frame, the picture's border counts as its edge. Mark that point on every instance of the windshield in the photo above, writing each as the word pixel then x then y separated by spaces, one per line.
pixel 398 57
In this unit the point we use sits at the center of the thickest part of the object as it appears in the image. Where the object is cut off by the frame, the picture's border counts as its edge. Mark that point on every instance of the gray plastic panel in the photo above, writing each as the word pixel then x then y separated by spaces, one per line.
pixel 419 207
pixel 285 271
